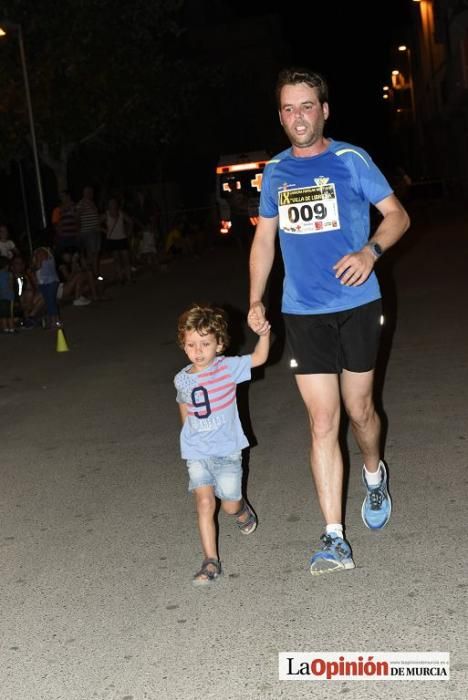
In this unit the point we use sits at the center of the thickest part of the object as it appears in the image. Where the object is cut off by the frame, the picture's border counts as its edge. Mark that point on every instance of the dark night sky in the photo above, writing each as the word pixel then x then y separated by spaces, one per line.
pixel 334 38
pixel 331 37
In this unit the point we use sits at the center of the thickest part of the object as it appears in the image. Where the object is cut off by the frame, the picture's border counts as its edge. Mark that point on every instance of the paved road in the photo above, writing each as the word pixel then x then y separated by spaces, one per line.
pixel 98 535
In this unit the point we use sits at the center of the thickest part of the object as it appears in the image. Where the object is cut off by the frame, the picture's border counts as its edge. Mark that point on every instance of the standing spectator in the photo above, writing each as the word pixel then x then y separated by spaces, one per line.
pixel 117 226
pixel 7 297
pixel 90 230
pixel 67 224
pixel 8 248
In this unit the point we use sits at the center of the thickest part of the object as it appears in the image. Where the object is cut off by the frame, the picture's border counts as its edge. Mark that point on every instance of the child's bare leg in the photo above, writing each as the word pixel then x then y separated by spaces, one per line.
pixel 206 506
pixel 233 507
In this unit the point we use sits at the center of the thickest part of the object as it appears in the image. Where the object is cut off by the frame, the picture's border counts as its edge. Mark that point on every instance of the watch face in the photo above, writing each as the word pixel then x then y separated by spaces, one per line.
pixel 377 249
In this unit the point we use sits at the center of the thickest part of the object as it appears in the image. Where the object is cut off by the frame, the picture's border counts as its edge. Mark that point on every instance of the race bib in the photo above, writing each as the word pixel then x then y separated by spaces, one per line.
pixel 311 209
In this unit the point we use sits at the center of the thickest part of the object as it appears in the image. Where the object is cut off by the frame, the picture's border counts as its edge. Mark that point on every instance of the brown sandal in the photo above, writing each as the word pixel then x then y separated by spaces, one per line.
pixel 250 524
pixel 211 569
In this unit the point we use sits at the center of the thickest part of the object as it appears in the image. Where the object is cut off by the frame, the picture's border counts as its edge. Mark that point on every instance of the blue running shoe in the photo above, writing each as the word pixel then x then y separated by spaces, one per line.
pixel 334 554
pixel 377 506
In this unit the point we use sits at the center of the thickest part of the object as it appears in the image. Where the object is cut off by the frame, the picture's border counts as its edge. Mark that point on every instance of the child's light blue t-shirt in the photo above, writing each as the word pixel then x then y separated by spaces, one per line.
pixel 212 427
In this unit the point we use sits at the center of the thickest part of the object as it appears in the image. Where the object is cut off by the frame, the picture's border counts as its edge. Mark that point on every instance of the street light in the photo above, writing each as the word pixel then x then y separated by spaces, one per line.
pixel 399 82
pixel 404 48
pixel 386 92
pixel 17 28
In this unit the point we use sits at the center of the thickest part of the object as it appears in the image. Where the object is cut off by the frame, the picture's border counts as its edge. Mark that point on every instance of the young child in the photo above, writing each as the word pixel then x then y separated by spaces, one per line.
pixel 43 263
pixel 212 438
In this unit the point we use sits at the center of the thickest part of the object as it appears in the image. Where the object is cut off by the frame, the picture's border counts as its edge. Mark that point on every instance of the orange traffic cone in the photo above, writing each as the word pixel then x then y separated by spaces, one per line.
pixel 61 342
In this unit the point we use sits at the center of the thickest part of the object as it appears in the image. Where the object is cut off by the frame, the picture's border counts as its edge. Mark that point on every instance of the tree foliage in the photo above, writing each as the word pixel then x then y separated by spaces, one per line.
pixel 98 70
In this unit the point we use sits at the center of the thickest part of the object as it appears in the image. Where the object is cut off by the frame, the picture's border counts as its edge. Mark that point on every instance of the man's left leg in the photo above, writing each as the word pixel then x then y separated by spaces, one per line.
pixel 321 395
pixel 357 391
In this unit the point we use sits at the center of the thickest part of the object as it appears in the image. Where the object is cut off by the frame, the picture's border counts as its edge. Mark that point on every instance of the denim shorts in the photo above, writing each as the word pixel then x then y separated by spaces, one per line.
pixel 223 473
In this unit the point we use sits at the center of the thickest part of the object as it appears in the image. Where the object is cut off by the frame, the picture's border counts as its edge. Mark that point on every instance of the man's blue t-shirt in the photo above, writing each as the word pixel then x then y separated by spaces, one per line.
pixel 322 203
pixel 212 427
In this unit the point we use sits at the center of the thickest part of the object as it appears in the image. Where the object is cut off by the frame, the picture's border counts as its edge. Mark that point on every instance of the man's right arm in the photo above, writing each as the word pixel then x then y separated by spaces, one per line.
pixel 262 255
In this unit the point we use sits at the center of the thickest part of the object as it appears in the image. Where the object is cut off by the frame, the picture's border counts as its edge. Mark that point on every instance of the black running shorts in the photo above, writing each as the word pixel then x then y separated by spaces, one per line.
pixel 329 343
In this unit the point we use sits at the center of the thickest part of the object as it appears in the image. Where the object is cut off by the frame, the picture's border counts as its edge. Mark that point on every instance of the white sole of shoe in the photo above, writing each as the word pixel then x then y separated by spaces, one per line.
pixel 335 566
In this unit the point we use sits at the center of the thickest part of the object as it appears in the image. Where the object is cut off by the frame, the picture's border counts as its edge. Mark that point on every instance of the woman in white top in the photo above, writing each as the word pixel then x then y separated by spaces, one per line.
pixel 117 226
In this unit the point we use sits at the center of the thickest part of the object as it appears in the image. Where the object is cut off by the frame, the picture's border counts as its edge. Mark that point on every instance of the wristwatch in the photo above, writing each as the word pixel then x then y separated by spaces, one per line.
pixel 376 250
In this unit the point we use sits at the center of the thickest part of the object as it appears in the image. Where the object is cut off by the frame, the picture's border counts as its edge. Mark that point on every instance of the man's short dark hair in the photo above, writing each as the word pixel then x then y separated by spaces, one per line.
pixel 296 75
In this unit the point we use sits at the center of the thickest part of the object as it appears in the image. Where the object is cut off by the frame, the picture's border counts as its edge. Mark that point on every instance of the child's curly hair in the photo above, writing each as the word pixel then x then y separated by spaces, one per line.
pixel 39 255
pixel 204 320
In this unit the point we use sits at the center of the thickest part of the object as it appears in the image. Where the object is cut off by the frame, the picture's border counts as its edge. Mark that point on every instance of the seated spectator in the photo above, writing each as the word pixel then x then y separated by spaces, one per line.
pixel 75 279
pixel 177 240
pixel 28 299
